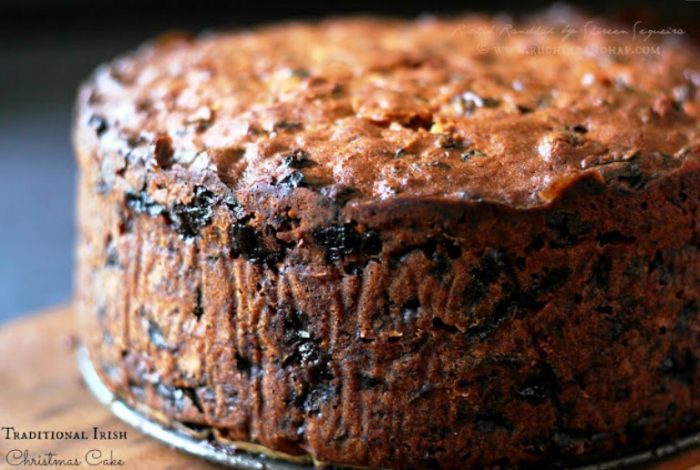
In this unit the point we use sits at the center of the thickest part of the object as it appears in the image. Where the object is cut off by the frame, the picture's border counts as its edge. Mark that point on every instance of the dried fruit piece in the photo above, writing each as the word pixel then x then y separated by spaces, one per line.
pixel 468 102
pixel 471 153
pixel 541 385
pixel 298 159
pixel 293 180
pixel 568 228
pixel 98 123
pixel 163 151
pixel 141 203
pixel 341 241
pixel 189 218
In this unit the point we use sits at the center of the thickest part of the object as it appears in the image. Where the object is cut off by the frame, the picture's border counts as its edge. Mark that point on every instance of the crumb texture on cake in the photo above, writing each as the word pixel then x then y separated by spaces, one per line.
pixel 465 108
pixel 399 244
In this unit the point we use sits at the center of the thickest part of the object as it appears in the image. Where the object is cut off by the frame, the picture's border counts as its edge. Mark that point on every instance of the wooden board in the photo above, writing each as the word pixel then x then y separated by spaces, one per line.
pixel 41 390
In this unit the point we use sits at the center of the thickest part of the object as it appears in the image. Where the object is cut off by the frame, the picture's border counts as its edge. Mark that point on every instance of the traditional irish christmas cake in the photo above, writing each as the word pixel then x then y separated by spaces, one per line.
pixel 404 244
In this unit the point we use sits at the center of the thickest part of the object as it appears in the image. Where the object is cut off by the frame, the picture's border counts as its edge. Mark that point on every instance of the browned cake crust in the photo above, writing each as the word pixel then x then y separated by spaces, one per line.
pixel 390 243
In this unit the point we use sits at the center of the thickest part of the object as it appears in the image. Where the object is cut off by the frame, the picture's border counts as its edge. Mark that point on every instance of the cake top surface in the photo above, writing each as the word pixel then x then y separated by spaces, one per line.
pixel 470 107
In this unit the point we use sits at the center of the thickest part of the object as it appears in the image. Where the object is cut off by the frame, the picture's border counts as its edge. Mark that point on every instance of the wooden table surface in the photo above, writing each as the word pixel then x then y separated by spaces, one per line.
pixel 41 390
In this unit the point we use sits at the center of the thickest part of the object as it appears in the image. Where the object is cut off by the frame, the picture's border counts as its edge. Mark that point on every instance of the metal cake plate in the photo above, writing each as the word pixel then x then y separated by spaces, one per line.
pixel 203 448
pixel 244 460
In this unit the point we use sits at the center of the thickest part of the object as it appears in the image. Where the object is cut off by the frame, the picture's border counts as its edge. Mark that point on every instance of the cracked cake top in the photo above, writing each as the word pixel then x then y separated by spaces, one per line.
pixel 468 108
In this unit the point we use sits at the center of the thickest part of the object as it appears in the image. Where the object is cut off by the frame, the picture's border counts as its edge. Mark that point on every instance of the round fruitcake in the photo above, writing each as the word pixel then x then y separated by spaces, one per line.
pixel 390 243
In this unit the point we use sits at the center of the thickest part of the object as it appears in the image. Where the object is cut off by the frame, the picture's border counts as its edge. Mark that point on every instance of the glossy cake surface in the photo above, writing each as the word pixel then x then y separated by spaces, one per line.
pixel 390 243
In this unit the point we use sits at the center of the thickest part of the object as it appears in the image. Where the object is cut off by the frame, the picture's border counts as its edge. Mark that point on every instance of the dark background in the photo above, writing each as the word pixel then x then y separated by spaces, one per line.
pixel 48 46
